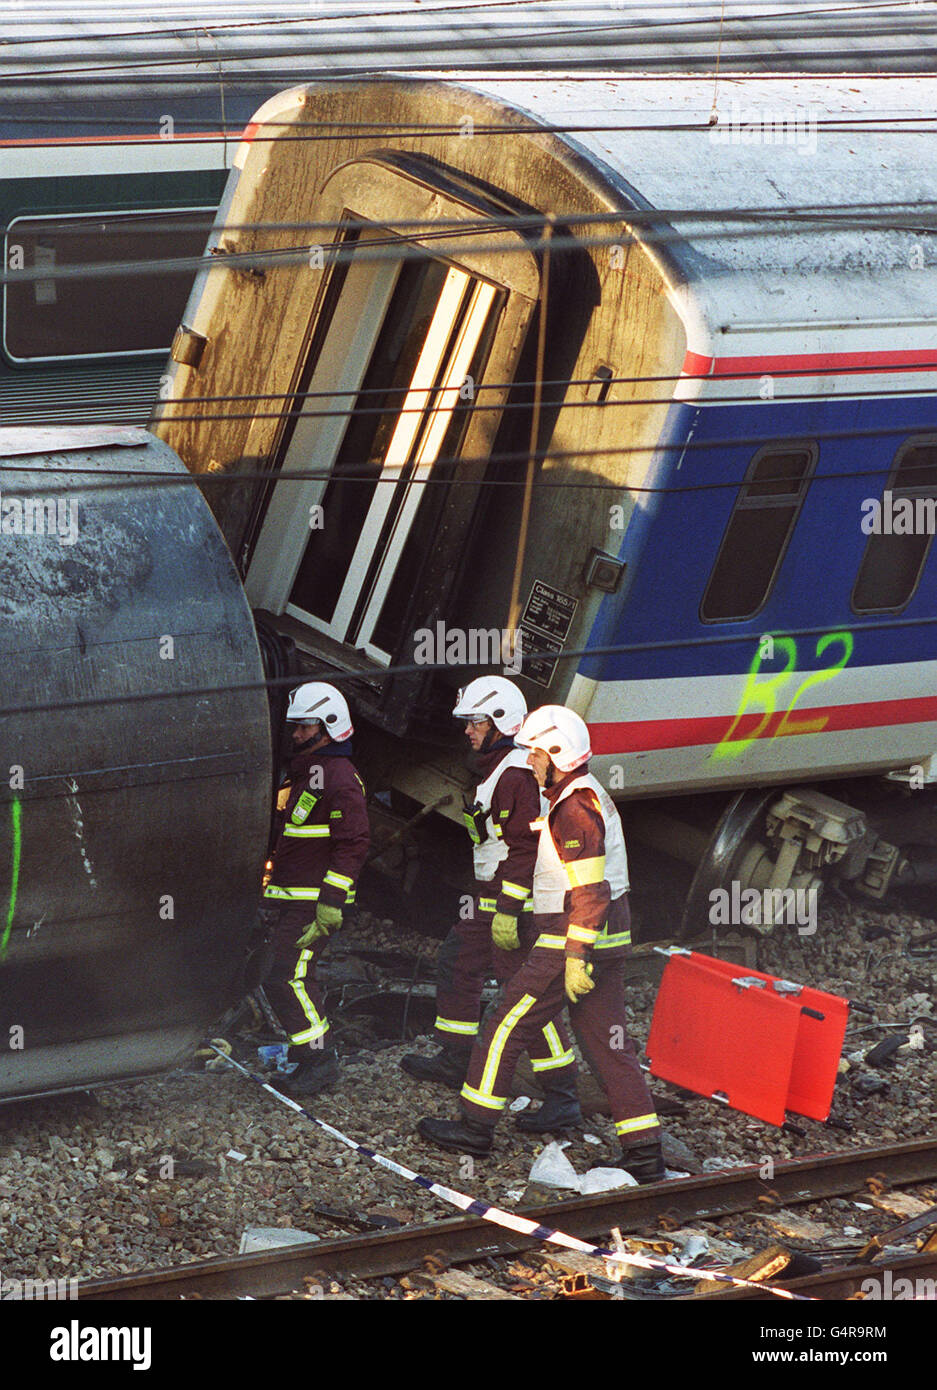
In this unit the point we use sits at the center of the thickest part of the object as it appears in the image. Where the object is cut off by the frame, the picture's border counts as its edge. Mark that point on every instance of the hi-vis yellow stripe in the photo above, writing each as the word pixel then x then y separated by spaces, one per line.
pixel 621 938
pixel 558 1056
pixel 582 872
pixel 584 934
pixel 499 1041
pixel 291 894
pixel 318 1024
pixel 307 832
pixel 489 1102
pixel 638 1123
pixel 452 1025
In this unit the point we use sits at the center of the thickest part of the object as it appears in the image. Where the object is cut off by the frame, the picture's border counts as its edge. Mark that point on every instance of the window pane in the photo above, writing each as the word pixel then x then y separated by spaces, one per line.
pixel 747 561
pixel 889 571
pixel 916 468
pixel 778 475
pixel 94 315
pixel 346 504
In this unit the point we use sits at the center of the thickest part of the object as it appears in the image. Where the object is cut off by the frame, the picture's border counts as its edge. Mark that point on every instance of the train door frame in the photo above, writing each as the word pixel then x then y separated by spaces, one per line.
pixel 494 283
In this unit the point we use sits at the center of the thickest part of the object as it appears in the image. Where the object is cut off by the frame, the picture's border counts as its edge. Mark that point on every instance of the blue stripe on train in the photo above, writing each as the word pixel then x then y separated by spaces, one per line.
pixel 672 540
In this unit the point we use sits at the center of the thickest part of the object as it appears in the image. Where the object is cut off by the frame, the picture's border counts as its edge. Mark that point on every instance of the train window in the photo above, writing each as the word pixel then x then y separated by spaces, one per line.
pixel 49 315
pixel 904 523
pixel 758 532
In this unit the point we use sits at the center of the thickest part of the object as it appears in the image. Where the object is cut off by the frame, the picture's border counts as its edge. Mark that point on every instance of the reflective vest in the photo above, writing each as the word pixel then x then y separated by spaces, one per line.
pixel 488 848
pixel 551 880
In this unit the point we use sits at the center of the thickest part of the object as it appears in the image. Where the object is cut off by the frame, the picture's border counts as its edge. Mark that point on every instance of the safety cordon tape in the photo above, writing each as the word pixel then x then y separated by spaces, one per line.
pixel 473 1207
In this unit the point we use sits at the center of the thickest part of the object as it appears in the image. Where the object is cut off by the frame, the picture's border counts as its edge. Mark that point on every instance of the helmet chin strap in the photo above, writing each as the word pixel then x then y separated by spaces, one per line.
pixel 491 737
pixel 310 745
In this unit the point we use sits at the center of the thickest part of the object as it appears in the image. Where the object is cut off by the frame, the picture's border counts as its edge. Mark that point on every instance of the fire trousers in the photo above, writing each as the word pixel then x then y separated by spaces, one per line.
pixel 465 958
pixel 291 985
pixel 535 995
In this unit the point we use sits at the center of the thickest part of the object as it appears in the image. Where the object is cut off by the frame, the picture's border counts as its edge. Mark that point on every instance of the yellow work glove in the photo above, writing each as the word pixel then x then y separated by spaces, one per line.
pixel 504 932
pixel 328 919
pixel 578 978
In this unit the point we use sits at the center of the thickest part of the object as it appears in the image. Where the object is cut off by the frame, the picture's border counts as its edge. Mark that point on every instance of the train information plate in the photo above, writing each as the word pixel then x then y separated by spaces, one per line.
pixel 549 611
pixel 545 625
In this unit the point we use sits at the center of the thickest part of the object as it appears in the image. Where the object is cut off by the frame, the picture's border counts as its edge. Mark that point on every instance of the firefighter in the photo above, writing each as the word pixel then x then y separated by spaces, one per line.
pixel 501 931
pixel 320 850
pixel 581 912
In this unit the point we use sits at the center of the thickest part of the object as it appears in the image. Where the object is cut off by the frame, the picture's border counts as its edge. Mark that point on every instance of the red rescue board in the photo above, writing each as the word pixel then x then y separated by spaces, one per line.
pixel 765 1044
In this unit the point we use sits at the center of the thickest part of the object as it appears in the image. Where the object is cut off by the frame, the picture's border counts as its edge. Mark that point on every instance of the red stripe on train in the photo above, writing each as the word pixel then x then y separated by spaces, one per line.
pixel 811 364
pixel 648 735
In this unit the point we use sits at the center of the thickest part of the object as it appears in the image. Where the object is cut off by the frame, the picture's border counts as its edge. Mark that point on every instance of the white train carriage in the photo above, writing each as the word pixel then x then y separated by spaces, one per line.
pixel 723 397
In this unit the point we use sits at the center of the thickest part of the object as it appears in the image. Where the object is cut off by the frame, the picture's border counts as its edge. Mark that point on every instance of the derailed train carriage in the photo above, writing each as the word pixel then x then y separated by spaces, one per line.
pixel 135 748
pixel 721 401
pixel 715 412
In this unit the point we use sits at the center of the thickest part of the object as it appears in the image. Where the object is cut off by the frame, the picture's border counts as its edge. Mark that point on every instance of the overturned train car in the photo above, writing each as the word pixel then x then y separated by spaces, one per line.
pixel 136 760
pixel 720 404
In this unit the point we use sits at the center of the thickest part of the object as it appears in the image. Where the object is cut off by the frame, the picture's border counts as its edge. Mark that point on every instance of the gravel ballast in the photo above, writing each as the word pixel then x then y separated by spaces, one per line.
pixel 175 1168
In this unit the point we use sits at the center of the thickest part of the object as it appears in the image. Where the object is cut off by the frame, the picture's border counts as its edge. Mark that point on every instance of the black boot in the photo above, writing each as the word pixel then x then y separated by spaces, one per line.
pixel 559 1111
pixel 462 1136
pixel 645 1162
pixel 317 1071
pixel 445 1066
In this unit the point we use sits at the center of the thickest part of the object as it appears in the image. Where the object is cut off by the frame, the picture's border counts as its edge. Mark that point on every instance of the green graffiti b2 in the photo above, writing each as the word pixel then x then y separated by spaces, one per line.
pixel 763 694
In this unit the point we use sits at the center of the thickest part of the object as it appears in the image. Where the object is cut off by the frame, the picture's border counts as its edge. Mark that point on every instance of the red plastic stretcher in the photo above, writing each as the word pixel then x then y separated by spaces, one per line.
pixel 761 1044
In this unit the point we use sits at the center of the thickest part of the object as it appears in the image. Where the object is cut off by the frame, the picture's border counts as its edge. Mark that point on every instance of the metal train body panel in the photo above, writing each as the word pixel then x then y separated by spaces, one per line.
pixel 720 344
pixel 134 814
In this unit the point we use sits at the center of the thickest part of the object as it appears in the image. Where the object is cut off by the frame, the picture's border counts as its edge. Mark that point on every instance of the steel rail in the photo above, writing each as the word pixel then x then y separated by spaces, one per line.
pixel 847 1282
pixel 743 1189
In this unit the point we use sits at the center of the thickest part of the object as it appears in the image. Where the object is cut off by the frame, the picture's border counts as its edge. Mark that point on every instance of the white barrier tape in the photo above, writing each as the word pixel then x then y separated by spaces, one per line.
pixel 510 1220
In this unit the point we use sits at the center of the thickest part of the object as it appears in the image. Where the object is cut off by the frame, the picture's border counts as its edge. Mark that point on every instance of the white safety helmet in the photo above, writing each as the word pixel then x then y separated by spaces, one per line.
pixel 317 701
pixel 560 733
pixel 494 698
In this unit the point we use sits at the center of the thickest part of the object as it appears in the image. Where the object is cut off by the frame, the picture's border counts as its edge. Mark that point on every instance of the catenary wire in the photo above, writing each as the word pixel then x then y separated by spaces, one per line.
pixel 381 673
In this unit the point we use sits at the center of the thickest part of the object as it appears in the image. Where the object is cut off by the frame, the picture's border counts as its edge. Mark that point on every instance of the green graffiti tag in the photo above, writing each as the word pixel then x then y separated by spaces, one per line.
pixel 762 694
pixel 16 825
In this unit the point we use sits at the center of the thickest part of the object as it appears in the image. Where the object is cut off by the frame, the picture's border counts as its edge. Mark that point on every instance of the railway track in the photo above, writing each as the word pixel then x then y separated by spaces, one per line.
pixel 462 1240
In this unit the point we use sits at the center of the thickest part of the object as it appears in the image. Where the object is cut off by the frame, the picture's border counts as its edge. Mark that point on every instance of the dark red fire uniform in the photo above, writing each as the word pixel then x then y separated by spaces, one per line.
pixel 580 887
pixel 322 845
pixel 505 847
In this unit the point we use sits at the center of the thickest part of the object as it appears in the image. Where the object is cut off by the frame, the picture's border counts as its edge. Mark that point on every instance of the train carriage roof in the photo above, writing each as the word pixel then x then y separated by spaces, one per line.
pixel 842 169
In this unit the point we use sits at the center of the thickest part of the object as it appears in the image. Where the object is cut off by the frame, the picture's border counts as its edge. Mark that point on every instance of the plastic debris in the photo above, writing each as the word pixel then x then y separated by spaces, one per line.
pixel 605 1180
pixel 519 1103
pixel 551 1167
pixel 236 1155
pixel 256 1238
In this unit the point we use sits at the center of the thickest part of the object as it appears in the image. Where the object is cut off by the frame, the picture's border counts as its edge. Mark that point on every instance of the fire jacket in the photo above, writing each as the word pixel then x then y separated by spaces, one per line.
pixel 504 847
pixel 581 871
pixel 325 832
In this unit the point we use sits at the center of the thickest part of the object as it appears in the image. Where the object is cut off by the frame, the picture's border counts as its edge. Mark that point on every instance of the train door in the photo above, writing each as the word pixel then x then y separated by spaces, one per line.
pixel 403 341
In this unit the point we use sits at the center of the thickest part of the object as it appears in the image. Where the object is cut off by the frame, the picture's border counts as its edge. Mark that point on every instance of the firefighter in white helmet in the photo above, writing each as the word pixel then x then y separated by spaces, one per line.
pixel 323 841
pixel 498 935
pixel 581 911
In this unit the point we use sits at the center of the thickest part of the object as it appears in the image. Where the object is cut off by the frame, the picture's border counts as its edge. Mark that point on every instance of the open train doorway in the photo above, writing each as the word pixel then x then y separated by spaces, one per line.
pixel 399 344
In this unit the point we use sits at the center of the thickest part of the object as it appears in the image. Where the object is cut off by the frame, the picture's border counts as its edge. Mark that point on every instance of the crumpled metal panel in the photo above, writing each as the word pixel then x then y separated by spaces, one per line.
pixel 133 813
